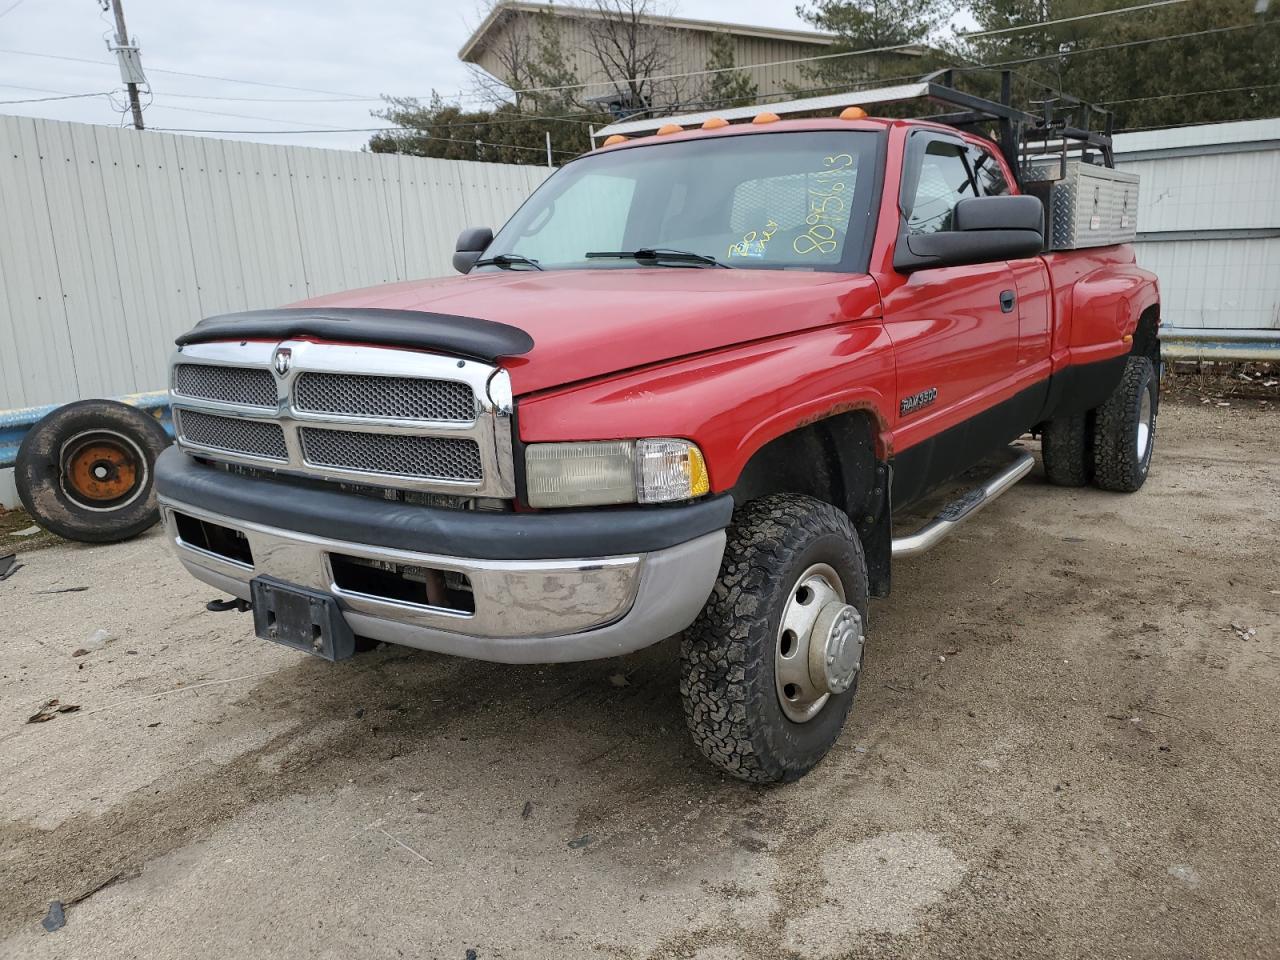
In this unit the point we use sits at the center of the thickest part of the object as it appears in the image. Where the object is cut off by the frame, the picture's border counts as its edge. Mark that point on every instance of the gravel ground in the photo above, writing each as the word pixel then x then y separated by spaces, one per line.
pixel 1062 748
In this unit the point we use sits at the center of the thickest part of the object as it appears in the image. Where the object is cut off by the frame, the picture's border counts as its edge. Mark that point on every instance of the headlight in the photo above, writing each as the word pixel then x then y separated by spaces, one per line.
pixel 614 471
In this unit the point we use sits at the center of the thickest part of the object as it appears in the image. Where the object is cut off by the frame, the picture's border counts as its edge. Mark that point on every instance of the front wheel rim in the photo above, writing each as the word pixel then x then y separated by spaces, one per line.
pixel 818 649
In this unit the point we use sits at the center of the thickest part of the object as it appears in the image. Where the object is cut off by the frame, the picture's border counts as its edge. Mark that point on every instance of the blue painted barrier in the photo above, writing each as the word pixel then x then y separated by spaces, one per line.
pixel 14 424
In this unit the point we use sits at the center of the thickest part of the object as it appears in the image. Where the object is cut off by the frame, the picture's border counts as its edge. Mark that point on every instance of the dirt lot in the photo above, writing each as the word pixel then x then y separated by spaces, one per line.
pixel 1062 748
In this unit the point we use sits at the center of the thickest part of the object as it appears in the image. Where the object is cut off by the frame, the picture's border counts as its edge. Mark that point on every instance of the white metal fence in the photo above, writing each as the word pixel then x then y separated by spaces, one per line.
pixel 114 241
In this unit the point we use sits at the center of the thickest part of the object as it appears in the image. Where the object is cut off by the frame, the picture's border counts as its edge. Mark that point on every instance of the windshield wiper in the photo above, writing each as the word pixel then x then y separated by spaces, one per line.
pixel 506 260
pixel 657 255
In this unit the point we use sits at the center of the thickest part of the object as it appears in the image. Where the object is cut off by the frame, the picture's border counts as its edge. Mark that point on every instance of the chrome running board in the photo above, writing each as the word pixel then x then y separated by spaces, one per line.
pixel 961 509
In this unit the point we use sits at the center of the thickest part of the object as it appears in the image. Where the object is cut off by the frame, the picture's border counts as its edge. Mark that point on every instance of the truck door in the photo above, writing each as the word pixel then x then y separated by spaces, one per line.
pixel 1030 275
pixel 954 329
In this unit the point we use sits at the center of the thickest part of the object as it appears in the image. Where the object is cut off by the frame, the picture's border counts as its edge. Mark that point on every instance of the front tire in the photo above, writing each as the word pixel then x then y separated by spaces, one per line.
pixel 770 667
pixel 1124 430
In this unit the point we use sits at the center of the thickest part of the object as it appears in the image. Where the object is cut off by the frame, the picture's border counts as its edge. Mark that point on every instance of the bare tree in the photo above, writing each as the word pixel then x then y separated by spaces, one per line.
pixel 633 52
pixel 515 50
pixel 533 68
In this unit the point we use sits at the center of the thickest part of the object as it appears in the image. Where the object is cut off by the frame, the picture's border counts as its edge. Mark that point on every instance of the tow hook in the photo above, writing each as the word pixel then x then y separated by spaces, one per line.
pixel 236 604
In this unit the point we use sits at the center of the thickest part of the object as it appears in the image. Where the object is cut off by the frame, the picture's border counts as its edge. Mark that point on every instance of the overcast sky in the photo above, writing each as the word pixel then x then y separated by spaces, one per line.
pixel 332 48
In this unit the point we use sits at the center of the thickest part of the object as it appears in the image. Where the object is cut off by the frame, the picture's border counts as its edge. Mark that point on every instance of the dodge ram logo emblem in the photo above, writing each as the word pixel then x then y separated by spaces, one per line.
pixel 282 360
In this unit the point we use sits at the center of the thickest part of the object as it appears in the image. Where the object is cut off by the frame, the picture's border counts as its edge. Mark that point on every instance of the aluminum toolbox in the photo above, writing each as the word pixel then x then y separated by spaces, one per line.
pixel 1085 205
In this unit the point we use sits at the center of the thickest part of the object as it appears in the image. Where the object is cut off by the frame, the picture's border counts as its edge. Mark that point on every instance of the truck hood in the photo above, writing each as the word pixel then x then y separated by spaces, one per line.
pixel 589 323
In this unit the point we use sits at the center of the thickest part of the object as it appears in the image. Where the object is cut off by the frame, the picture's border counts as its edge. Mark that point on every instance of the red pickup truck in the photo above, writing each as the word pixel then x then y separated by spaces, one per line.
pixel 685 388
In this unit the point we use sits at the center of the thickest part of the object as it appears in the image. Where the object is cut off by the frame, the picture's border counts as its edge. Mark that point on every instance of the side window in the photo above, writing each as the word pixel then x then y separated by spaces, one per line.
pixel 986 169
pixel 944 182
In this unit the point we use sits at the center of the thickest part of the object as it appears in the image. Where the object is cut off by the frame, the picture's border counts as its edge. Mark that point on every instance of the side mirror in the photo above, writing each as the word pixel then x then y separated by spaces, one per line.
pixel 471 243
pixel 984 229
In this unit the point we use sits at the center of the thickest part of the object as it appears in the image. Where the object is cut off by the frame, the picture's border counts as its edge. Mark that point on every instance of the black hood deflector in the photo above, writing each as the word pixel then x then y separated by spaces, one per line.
pixel 460 336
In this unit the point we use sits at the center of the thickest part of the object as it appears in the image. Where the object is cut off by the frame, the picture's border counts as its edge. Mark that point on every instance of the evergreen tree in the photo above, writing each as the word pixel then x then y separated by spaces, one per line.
pixel 1233 51
pixel 514 128
pixel 870 25
pixel 506 134
pixel 727 87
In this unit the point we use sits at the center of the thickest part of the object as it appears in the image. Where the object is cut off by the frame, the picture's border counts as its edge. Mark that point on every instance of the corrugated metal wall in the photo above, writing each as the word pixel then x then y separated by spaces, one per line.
pixel 1209 221
pixel 114 241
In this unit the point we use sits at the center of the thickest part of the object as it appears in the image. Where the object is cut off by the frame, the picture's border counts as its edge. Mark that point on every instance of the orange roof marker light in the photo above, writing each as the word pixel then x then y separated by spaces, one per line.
pixel 852 113
pixel 715 123
pixel 667 128
pixel 616 138
pixel 765 117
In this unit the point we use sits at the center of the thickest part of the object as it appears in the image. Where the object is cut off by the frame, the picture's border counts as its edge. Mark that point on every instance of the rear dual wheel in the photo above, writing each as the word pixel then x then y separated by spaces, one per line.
pixel 1124 431
pixel 1110 446
pixel 771 665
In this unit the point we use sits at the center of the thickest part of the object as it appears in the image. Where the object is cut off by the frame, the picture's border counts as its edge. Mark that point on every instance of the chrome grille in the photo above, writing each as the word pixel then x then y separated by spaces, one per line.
pixel 427 424
pixel 394 398
pixel 242 385
pixel 254 438
pixel 454 459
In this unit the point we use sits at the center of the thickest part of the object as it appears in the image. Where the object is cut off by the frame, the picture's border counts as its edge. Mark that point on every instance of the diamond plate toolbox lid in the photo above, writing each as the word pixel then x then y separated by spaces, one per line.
pixel 1085 205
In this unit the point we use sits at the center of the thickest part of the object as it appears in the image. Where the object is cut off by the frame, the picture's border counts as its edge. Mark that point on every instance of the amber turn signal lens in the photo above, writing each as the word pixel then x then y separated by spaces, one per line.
pixel 852 113
pixel 765 117
pixel 616 138
pixel 669 128
pixel 715 123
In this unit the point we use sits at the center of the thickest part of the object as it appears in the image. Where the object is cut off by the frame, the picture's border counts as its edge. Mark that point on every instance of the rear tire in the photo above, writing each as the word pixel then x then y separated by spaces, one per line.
pixel 731 684
pixel 87 471
pixel 1124 430
pixel 1065 446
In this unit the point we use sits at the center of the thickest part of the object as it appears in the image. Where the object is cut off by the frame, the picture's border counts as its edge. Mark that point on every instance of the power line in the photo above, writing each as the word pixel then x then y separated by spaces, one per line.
pixel 18 86
pixel 583 118
pixel 1175 126
pixel 414 134
pixel 65 96
pixel 239 116
pixel 1084 16
pixel 1118 46
pixel 11 7
pixel 181 73
pixel 1194 93
pixel 209 96
pixel 480 123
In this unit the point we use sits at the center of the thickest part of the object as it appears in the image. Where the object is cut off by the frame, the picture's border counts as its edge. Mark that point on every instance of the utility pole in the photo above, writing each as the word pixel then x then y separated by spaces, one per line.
pixel 130 64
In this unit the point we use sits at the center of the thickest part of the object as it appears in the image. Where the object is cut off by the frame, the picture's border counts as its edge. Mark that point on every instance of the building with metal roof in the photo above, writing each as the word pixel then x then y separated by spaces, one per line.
pixel 772 58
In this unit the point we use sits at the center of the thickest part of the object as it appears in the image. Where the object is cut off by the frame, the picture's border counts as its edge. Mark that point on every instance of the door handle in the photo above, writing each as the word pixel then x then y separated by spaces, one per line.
pixel 1007 299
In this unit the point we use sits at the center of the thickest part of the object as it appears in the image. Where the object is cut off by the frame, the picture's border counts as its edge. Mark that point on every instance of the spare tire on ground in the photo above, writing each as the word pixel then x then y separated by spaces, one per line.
pixel 87 471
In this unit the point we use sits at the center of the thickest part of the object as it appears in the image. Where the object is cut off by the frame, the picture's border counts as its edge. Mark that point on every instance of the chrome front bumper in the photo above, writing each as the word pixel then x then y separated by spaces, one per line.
pixel 526 611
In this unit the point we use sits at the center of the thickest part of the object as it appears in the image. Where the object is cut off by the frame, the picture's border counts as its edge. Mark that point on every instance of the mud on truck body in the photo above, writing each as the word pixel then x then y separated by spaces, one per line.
pixel 685 388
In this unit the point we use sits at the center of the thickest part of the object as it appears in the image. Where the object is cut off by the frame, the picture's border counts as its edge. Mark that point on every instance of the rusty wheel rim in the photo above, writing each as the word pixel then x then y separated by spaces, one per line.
pixel 103 470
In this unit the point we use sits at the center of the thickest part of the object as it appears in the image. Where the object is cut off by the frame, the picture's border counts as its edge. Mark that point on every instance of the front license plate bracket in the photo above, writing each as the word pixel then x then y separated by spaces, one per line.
pixel 306 620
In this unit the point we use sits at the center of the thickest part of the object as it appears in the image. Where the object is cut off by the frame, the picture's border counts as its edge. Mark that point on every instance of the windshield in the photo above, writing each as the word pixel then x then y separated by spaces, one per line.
pixel 791 201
